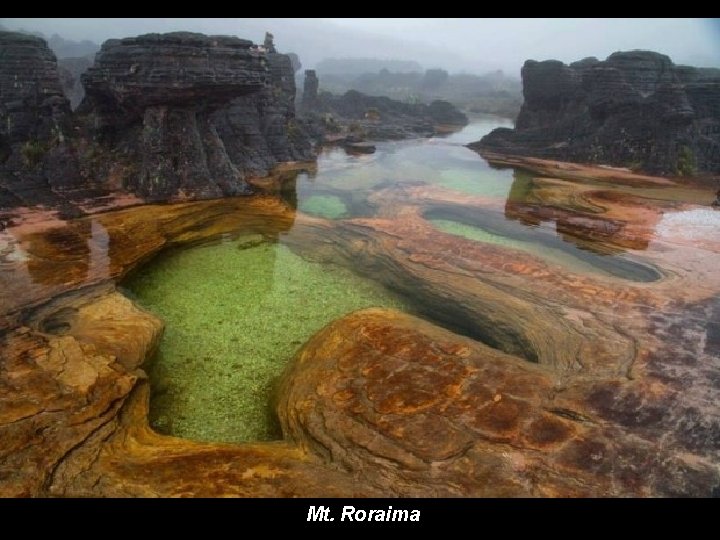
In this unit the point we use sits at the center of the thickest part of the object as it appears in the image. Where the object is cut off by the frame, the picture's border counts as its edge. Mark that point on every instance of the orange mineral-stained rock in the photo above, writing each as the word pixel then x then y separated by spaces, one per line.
pixel 420 411
pixel 564 384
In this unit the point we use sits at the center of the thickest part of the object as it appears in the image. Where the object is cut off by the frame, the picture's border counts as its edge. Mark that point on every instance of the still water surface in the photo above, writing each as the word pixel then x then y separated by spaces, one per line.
pixel 237 310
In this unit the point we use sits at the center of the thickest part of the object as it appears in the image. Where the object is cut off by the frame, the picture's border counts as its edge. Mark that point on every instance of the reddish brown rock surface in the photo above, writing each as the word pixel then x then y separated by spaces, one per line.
pixel 575 384
pixel 421 411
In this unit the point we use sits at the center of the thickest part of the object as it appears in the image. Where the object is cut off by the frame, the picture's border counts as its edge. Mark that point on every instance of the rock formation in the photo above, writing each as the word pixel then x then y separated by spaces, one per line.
pixel 260 130
pixel 354 116
pixel 635 109
pixel 310 90
pixel 563 384
pixel 35 156
pixel 165 116
pixel 200 130
pixel 412 117
pixel 268 44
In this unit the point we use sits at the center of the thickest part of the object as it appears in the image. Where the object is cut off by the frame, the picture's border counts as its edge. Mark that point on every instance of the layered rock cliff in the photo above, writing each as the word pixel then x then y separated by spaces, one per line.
pixel 634 109
pixel 165 116
pixel 202 129
pixel 35 156
pixel 259 130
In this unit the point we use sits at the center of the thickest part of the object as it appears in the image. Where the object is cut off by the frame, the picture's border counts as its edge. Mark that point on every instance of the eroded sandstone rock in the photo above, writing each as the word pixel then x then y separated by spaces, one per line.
pixel 634 109
pixel 36 158
pixel 419 411
pixel 565 384
pixel 355 115
pixel 165 116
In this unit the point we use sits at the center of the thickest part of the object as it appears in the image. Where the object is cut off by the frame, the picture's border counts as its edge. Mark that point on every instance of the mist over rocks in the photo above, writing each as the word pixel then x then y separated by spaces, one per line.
pixel 635 109
pixel 354 116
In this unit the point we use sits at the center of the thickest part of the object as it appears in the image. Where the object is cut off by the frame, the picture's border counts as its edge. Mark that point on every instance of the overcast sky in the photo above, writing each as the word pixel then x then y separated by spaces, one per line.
pixel 473 45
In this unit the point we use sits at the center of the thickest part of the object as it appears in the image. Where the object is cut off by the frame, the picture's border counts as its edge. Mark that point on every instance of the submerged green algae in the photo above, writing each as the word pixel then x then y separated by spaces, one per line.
pixel 481 235
pixel 473 182
pixel 568 256
pixel 234 317
pixel 327 206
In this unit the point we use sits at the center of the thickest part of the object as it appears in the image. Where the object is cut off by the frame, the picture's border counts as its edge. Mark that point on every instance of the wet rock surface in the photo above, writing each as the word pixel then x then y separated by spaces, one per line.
pixel 420 411
pixel 558 383
pixel 634 109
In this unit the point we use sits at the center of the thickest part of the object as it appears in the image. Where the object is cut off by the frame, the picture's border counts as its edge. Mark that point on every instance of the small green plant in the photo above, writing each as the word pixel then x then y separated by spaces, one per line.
pixel 686 165
pixel 293 129
pixel 33 152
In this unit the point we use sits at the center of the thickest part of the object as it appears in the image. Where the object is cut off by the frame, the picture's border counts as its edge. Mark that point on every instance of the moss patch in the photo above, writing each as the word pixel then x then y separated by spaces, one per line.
pixel 33 152
pixel 234 317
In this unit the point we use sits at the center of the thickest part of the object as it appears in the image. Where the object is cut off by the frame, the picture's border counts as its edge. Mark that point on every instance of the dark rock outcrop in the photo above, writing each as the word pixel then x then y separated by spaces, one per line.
pixel 354 105
pixel 35 157
pixel 356 116
pixel 635 109
pixel 161 113
pixel 359 147
pixel 260 130
pixel 165 116
pixel 310 89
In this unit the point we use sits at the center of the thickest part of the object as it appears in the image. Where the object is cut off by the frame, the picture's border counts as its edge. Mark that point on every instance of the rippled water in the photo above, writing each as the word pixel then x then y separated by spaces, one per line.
pixel 236 311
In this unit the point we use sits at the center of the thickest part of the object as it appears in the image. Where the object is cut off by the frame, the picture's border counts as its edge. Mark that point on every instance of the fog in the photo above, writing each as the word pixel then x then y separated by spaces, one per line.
pixel 470 45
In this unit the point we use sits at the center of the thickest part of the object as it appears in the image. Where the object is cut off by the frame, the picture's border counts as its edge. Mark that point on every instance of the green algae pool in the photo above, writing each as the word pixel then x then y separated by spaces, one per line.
pixel 555 251
pixel 327 206
pixel 234 317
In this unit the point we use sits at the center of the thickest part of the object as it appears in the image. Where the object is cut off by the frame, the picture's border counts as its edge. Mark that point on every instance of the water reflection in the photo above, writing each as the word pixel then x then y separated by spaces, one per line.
pixel 576 219
pixel 537 240
pixel 59 255
pixel 341 185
